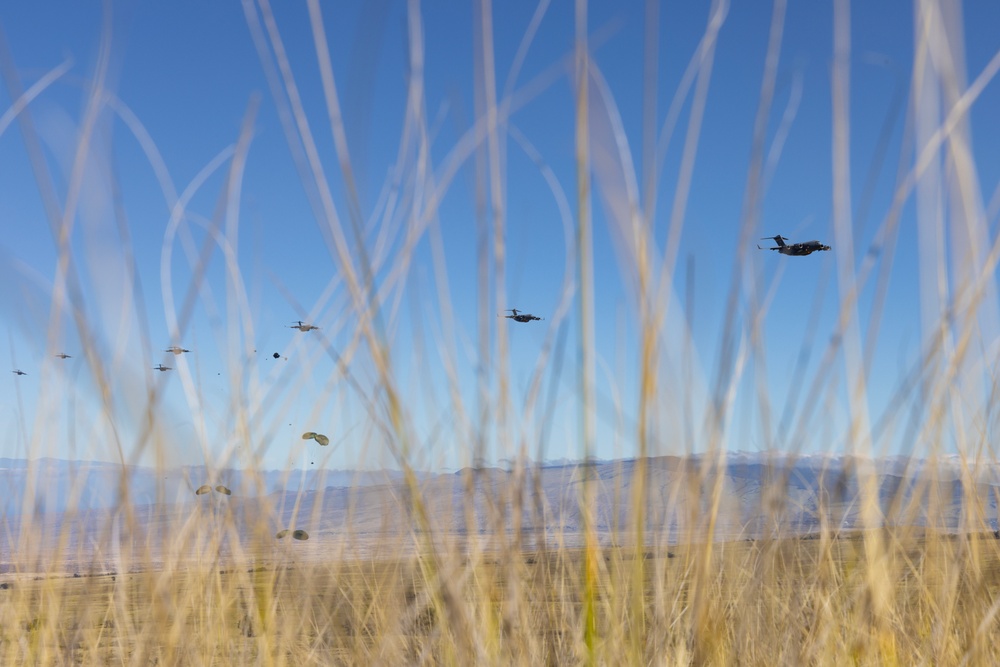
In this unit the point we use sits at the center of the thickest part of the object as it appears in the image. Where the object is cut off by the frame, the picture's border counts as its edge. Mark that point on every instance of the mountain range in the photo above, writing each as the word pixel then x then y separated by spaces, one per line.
pixel 755 495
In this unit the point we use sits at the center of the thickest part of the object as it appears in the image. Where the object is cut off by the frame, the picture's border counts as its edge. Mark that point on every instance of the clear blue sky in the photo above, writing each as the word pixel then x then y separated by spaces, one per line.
pixel 188 71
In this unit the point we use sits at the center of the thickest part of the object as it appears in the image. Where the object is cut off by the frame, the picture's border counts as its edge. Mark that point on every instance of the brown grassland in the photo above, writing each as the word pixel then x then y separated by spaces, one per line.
pixel 785 601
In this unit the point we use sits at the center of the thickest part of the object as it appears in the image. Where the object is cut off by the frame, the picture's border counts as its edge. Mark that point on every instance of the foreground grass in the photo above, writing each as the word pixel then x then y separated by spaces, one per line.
pixel 897 596
pixel 789 601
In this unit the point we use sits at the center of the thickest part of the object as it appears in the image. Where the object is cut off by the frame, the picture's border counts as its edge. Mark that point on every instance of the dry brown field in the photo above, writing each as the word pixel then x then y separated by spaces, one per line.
pixel 792 601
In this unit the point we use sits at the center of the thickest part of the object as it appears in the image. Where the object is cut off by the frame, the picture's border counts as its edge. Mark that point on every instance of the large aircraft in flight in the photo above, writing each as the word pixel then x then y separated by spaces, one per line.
pixel 520 317
pixel 796 249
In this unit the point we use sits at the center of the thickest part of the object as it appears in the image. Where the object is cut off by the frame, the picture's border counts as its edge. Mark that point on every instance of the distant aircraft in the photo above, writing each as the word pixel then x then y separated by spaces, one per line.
pixel 520 317
pixel 63 355
pixel 796 249
pixel 18 372
pixel 302 327
pixel 161 368
pixel 176 350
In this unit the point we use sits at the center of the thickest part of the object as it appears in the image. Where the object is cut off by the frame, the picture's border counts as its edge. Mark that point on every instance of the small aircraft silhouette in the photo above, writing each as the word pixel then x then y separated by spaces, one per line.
pixel 161 368
pixel 796 249
pixel 63 355
pixel 520 317
pixel 176 350
pixel 18 372
pixel 302 327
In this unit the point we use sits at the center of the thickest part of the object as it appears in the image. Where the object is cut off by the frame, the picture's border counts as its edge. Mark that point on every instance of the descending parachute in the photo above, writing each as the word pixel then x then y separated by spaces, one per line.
pixel 318 437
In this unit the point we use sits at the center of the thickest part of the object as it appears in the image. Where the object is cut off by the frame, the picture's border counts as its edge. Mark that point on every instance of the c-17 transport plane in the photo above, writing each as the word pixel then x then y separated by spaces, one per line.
pixel 520 317
pixel 795 249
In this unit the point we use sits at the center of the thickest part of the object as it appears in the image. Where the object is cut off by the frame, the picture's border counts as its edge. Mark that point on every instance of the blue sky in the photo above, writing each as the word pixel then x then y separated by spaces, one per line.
pixel 189 71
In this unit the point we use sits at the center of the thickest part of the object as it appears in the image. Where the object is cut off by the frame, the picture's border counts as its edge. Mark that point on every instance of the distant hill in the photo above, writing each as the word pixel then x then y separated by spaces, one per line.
pixel 50 485
pixel 539 506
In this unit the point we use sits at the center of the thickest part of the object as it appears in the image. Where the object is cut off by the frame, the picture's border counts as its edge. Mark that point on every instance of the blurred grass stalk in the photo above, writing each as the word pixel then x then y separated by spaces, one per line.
pixel 585 359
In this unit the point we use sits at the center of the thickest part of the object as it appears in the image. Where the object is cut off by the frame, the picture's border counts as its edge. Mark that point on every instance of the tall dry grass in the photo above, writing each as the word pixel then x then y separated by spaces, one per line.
pixel 496 578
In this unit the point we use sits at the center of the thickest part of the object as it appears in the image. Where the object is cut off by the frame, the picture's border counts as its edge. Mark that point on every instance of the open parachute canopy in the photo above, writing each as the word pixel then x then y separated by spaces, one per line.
pixel 318 437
